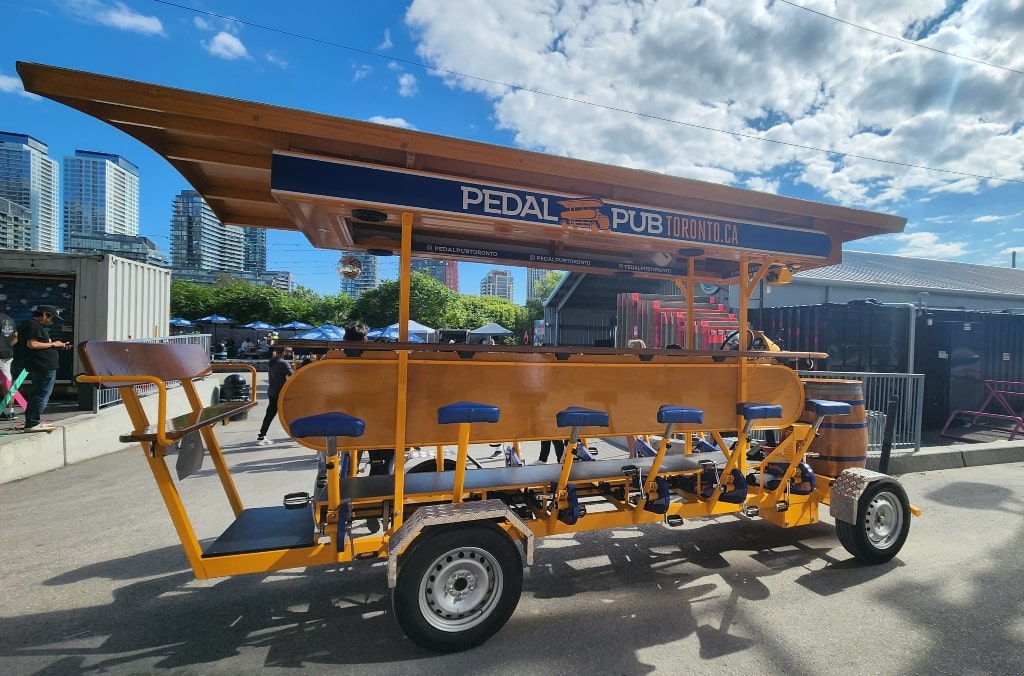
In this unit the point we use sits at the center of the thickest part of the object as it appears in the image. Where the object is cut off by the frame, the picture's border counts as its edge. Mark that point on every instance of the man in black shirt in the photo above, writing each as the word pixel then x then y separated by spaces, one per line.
pixel 278 370
pixel 41 357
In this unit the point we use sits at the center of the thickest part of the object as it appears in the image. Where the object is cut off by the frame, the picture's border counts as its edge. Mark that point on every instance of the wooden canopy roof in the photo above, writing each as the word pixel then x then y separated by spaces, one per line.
pixel 250 162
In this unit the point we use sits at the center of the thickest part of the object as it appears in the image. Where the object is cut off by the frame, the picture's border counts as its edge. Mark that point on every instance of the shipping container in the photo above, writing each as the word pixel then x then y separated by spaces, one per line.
pixel 101 297
pixel 956 350
pixel 858 336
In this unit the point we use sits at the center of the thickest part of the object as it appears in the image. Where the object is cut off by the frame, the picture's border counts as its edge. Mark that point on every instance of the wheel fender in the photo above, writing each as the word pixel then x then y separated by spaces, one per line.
pixel 449 513
pixel 849 486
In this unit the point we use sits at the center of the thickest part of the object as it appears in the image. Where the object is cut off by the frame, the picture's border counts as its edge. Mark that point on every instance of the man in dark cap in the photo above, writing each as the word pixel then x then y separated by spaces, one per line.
pixel 40 357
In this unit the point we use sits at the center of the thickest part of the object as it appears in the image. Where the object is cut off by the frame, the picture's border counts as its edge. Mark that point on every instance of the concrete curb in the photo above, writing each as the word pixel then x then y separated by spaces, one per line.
pixel 951 457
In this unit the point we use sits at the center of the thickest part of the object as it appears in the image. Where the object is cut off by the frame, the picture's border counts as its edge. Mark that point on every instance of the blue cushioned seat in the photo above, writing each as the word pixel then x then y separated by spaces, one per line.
pixel 679 414
pixel 759 411
pixel 825 407
pixel 577 416
pixel 467 412
pixel 332 424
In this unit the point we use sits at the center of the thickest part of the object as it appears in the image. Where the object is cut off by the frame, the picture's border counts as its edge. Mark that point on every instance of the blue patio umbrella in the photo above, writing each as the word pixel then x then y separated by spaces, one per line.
pixel 336 332
pixel 418 333
pixel 258 326
pixel 324 332
pixel 390 334
pixel 180 323
pixel 215 320
pixel 295 326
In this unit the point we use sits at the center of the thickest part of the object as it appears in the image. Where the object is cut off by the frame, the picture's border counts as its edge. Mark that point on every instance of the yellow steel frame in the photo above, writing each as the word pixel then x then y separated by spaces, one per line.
pixel 593 380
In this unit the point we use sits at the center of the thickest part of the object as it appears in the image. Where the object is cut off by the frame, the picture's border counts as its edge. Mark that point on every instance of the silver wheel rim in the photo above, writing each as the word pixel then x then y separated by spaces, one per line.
pixel 460 589
pixel 883 520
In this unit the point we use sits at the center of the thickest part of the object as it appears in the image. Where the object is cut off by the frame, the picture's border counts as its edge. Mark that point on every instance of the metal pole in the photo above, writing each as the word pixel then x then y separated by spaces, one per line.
pixel 890 428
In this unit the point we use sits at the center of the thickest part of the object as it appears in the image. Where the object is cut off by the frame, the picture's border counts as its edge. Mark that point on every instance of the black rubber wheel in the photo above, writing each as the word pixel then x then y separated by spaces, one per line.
pixel 732 341
pixel 457 586
pixel 431 466
pixel 883 523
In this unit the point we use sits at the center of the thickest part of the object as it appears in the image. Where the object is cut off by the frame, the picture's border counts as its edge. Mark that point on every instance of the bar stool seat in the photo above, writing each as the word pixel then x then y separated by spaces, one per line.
pixel 332 424
pixel 467 412
pixel 463 414
pixel 678 415
pixel 759 411
pixel 577 416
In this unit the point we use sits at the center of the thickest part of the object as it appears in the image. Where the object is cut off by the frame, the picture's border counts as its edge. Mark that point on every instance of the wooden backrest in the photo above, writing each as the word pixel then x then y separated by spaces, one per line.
pixel 166 361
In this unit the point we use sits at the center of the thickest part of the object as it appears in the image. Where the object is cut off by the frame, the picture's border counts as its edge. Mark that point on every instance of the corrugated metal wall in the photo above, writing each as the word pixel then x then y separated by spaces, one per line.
pixel 581 327
pixel 113 298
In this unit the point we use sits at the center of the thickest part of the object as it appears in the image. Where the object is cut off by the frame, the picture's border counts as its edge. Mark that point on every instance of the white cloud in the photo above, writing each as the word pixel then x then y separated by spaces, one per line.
pixel 761 69
pixel 407 85
pixel 12 85
pixel 927 245
pixel 277 60
pixel 201 23
pixel 226 46
pixel 392 121
pixel 361 72
pixel 989 219
pixel 116 15
pixel 386 42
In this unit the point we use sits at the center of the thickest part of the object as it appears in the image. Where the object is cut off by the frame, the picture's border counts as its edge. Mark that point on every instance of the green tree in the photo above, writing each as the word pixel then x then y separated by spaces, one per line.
pixel 429 300
pixel 245 302
pixel 479 310
pixel 191 301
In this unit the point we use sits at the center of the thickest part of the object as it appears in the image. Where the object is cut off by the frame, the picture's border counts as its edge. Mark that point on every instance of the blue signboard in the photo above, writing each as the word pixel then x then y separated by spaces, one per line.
pixel 406 189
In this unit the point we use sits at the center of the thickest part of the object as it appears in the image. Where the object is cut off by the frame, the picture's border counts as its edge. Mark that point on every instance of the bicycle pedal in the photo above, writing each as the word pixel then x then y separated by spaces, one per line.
pixel 296 500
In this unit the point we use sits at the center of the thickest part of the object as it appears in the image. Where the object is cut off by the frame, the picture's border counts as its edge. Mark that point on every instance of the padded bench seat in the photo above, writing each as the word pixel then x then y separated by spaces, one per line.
pixel 183 425
pixel 368 488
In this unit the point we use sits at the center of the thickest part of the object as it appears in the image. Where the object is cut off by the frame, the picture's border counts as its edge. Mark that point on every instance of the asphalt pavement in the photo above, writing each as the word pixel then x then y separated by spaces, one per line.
pixel 95 581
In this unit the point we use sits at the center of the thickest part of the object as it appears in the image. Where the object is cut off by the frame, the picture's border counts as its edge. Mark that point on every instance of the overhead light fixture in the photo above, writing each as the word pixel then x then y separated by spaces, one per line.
pixel 369 215
pixel 380 252
pixel 661 258
pixel 691 252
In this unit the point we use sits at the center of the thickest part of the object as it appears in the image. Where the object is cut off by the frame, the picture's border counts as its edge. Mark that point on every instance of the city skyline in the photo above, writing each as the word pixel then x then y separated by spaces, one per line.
pixel 96 197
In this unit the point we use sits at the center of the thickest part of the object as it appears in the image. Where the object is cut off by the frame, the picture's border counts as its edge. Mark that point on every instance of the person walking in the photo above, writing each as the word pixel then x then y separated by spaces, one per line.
pixel 545 450
pixel 8 338
pixel 41 361
pixel 279 369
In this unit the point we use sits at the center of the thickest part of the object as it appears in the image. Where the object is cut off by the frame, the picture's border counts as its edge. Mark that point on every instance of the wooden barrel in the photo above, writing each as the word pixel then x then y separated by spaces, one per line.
pixel 842 441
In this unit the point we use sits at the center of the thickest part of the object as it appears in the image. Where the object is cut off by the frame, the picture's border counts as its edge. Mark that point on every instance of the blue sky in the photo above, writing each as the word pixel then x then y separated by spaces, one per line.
pixel 918 102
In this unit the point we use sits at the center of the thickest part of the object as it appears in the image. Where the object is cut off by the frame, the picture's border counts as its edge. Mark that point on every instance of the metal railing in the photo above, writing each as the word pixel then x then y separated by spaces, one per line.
pixel 104 397
pixel 878 387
